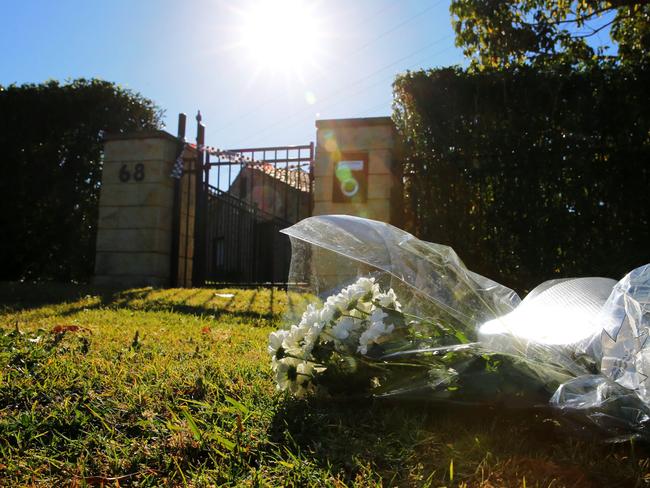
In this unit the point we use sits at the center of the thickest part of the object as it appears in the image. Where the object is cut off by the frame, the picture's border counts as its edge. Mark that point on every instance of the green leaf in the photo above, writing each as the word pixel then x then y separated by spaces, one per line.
pixel 222 441
pixel 194 428
pixel 238 405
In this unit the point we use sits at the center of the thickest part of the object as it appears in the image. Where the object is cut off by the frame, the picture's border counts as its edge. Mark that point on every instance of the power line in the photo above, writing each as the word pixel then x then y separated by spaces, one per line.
pixel 400 25
pixel 354 53
pixel 339 100
pixel 363 112
pixel 337 93
pixel 344 99
pixel 271 100
pixel 359 80
pixel 386 7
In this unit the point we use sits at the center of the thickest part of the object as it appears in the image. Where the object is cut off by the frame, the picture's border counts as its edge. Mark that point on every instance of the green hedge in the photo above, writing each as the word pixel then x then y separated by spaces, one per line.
pixel 50 135
pixel 529 175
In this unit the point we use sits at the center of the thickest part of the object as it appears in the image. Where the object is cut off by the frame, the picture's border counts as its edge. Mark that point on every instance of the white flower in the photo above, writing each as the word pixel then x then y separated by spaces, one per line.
pixel 367 287
pixel 376 330
pixel 310 316
pixel 301 339
pixel 363 288
pixel 327 313
pixel 363 309
pixel 348 297
pixel 275 343
pixel 304 380
pixel 342 329
pixel 294 375
pixel 311 337
pixel 338 302
pixel 388 300
pixel 286 372
pixel 352 318
pixel 293 341
pixel 377 316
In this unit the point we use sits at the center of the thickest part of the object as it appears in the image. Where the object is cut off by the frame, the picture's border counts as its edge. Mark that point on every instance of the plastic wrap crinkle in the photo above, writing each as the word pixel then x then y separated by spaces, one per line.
pixel 580 344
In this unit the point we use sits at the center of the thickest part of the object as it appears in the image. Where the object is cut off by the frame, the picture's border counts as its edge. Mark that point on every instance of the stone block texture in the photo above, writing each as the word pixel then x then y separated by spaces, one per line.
pixel 186 224
pixel 134 232
pixel 374 136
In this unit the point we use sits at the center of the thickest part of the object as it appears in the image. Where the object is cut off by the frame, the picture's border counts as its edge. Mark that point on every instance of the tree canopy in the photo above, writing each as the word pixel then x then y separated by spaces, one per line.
pixel 504 33
pixel 51 135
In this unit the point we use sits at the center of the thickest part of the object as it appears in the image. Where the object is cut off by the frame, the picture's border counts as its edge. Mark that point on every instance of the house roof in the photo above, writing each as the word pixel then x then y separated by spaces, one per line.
pixel 292 176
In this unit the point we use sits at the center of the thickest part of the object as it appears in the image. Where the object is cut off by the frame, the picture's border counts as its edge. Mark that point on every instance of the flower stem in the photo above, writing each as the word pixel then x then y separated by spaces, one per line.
pixel 444 328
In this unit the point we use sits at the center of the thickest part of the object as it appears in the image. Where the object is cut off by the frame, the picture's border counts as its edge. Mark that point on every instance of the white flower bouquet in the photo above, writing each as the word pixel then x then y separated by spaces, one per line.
pixel 375 311
pixel 349 323
pixel 360 341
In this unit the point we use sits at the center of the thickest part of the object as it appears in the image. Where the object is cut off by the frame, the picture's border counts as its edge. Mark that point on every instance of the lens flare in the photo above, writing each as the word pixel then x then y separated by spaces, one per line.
pixel 310 98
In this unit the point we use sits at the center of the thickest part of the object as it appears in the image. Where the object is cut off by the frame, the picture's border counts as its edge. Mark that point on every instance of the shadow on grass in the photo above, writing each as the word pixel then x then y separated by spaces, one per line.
pixel 25 296
pixel 410 442
pixel 16 297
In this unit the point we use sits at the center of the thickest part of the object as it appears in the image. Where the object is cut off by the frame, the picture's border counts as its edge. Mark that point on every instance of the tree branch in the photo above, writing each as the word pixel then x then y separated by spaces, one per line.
pixel 612 6
pixel 595 31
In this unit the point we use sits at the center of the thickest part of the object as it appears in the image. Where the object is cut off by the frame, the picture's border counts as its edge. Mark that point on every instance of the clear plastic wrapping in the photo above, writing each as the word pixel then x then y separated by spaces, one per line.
pixel 617 398
pixel 376 311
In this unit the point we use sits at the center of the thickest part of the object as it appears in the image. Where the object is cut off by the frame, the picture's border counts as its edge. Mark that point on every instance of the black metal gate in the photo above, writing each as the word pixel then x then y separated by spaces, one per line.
pixel 244 198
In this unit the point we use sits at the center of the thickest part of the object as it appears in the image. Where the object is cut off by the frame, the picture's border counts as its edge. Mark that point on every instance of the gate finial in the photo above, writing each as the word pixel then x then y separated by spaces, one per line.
pixel 198 117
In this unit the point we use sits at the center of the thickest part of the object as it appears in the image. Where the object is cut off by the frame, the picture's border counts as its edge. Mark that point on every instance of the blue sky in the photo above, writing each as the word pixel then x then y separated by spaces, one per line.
pixel 204 54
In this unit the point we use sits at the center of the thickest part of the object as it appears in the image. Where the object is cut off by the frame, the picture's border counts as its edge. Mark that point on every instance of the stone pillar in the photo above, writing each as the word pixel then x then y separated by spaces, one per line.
pixel 134 235
pixel 355 173
pixel 186 220
pixel 370 147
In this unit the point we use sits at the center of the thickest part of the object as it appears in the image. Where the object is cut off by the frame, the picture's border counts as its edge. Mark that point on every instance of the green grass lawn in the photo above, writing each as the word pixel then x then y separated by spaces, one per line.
pixel 173 387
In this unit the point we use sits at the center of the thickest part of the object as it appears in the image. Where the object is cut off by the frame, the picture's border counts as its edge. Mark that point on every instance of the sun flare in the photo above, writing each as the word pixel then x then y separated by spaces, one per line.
pixel 281 34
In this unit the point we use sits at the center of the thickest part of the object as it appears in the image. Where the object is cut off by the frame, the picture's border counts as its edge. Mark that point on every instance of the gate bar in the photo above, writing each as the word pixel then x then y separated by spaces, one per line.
pixel 198 266
pixel 176 208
